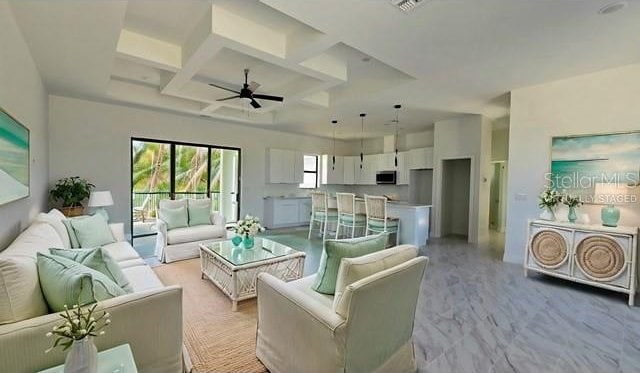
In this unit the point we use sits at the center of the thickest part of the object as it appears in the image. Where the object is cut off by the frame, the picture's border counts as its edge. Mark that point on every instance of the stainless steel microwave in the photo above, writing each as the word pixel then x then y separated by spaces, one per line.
pixel 386 177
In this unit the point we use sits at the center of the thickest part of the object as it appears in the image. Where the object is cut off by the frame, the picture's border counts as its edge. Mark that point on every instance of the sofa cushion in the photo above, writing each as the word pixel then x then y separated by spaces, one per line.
pixel 98 259
pixel 65 282
pixel 199 215
pixel 55 218
pixel 335 250
pixel 142 278
pixel 73 238
pixel 194 234
pixel 172 204
pixel 354 269
pixel 174 217
pixel 92 231
pixel 20 294
pixel 38 237
pixel 121 251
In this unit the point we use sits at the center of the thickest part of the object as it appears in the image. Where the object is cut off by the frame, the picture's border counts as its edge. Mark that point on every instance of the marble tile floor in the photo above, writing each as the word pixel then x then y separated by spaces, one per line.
pixel 478 314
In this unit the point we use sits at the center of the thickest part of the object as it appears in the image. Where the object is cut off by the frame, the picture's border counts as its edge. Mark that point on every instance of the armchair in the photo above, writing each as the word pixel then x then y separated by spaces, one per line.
pixel 183 243
pixel 366 328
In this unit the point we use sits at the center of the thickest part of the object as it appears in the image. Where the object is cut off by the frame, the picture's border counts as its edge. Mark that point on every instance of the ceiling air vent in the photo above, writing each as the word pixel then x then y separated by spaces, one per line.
pixel 407 6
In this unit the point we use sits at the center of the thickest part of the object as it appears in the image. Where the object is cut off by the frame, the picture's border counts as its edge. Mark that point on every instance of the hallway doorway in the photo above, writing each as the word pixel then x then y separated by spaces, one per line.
pixel 456 197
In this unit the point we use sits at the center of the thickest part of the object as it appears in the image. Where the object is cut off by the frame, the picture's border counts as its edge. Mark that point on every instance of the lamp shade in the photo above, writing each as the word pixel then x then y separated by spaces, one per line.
pixel 100 199
pixel 612 194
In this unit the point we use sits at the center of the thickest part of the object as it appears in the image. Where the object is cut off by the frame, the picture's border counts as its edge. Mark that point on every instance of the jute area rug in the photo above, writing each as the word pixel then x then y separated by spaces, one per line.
pixel 217 339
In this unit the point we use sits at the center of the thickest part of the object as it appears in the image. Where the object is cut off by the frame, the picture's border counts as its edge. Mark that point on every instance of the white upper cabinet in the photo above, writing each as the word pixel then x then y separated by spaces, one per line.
pixel 367 174
pixel 421 158
pixel 402 175
pixel 349 170
pixel 285 166
pixel 387 162
pixel 332 173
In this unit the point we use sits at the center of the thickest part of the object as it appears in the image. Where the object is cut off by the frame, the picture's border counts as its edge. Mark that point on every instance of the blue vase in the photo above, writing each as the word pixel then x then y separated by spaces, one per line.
pixel 248 241
pixel 237 240
pixel 572 214
pixel 610 216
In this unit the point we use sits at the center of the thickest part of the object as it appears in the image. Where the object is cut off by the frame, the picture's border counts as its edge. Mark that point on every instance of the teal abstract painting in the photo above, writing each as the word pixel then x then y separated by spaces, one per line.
pixel 578 163
pixel 14 159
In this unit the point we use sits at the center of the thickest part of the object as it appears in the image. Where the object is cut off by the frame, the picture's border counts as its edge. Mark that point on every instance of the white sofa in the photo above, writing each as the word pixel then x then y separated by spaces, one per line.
pixel 184 243
pixel 149 319
pixel 367 327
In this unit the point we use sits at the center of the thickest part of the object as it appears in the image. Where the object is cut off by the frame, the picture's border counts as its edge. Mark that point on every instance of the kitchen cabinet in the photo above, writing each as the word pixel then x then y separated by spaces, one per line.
pixel 285 166
pixel 402 175
pixel 349 170
pixel 332 174
pixel 421 158
pixel 281 212
pixel 387 162
pixel 367 174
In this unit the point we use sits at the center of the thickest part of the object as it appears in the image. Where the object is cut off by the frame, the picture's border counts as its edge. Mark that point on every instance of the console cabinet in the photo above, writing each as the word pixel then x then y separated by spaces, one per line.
pixel 282 212
pixel 590 254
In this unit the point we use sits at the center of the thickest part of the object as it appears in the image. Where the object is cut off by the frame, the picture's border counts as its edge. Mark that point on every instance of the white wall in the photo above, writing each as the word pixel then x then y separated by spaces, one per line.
pixel 602 102
pixel 92 140
pixel 23 96
pixel 464 137
pixel 500 144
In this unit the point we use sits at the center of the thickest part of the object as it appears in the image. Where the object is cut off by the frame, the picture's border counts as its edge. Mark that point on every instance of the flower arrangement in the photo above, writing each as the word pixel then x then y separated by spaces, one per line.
pixel 79 323
pixel 249 226
pixel 549 198
pixel 571 200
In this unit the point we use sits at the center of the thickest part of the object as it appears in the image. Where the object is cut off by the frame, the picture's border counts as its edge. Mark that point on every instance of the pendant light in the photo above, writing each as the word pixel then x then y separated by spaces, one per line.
pixel 362 115
pixel 397 107
pixel 334 123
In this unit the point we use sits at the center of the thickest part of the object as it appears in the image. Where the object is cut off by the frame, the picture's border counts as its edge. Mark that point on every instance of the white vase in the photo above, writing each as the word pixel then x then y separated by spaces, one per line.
pixel 82 357
pixel 547 214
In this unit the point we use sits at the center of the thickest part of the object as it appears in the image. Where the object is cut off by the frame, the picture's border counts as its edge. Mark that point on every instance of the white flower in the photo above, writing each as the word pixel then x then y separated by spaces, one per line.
pixel 49 334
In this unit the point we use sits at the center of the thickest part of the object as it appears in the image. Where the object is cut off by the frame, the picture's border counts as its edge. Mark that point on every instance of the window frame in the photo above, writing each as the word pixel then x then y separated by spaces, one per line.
pixel 304 172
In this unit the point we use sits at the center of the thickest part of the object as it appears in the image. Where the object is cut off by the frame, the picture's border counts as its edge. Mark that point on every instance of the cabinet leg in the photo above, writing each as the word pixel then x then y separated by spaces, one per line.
pixel 234 306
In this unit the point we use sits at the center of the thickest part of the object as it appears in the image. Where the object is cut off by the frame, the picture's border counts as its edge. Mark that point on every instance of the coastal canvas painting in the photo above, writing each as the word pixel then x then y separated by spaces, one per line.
pixel 579 162
pixel 14 159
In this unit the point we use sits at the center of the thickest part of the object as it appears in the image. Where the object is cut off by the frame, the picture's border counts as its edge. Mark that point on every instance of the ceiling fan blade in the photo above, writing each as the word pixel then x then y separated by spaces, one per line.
pixel 255 104
pixel 225 88
pixel 253 86
pixel 267 97
pixel 228 98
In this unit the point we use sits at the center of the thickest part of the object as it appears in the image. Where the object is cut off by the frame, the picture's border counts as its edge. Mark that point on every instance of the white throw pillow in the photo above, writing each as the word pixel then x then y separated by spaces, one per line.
pixel 53 218
pixel 355 269
pixel 20 294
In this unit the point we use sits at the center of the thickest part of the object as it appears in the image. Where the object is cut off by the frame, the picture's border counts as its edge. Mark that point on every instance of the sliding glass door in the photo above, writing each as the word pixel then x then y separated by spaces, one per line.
pixel 171 170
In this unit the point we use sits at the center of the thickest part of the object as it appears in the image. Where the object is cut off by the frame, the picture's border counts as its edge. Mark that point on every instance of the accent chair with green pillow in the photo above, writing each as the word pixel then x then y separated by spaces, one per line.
pixel 198 226
pixel 66 282
pixel 99 260
pixel 92 231
pixel 335 250
pixel 370 329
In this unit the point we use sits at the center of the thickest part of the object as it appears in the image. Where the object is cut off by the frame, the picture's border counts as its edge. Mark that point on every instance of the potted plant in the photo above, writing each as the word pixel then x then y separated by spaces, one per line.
pixel 572 202
pixel 71 192
pixel 549 199
pixel 76 331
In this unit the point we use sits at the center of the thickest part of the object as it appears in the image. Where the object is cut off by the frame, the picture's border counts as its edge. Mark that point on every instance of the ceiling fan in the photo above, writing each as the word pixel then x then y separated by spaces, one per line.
pixel 246 92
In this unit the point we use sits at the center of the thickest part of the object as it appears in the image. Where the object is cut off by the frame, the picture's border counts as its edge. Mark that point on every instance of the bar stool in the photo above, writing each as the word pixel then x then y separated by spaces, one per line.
pixel 347 216
pixel 321 213
pixel 377 219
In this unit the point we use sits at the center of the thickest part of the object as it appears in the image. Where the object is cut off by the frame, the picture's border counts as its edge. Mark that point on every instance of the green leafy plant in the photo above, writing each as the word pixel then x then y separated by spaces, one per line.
pixel 78 324
pixel 549 198
pixel 71 191
pixel 571 201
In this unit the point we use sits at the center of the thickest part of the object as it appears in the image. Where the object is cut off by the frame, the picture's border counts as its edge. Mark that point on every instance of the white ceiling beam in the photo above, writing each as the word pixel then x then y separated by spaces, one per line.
pixel 318 99
pixel 149 51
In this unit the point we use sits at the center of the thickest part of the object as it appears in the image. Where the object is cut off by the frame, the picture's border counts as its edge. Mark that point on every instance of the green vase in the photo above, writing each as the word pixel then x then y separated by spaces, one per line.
pixel 237 240
pixel 248 241
pixel 610 216
pixel 572 214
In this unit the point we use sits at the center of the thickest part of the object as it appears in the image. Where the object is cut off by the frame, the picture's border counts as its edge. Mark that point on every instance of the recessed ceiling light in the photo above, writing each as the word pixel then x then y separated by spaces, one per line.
pixel 613 7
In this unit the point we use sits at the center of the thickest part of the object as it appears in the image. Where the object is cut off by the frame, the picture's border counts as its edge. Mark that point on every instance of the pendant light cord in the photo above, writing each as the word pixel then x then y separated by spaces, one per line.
pixel 362 115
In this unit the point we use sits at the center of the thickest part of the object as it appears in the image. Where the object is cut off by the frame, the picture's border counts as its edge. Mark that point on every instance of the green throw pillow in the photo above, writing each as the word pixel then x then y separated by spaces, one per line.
pixel 65 282
pixel 335 250
pixel 73 239
pixel 98 259
pixel 92 231
pixel 174 217
pixel 199 215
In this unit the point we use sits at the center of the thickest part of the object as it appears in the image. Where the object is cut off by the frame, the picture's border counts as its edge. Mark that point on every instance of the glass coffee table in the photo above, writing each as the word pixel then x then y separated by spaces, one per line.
pixel 235 269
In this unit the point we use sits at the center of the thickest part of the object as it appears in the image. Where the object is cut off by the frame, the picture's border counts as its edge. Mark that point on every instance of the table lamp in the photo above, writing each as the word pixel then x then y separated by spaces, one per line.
pixel 100 200
pixel 609 194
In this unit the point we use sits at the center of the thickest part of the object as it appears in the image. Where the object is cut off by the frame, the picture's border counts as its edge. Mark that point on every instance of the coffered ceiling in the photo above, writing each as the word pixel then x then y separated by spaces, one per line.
pixel 329 59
